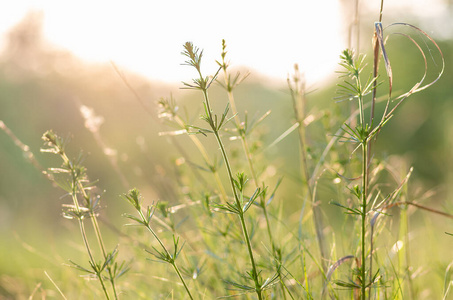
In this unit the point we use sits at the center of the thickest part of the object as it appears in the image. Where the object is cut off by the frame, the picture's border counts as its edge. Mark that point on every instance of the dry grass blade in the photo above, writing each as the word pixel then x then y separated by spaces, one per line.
pixel 423 33
pixel 337 264
pixel 419 85
pixel 283 135
pixel 444 214
pixel 333 267
pixel 56 286
pixel 381 43
pixel 133 91
pixel 393 195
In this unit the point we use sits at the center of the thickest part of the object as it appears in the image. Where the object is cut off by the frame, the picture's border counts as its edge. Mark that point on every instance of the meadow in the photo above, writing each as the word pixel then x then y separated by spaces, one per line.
pixel 228 185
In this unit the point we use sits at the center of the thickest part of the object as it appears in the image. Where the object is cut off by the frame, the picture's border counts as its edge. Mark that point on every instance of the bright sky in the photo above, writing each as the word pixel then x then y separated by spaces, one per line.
pixel 146 36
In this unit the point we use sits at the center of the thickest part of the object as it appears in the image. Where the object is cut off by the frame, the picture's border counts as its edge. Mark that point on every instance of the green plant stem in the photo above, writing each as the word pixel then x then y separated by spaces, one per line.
pixel 85 240
pixel 236 197
pixel 172 262
pixel 101 245
pixel 304 266
pixel 362 133
pixel 249 247
pixel 87 246
pixel 364 213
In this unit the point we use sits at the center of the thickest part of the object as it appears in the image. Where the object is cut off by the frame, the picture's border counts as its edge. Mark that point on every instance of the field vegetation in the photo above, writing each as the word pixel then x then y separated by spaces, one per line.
pixel 228 185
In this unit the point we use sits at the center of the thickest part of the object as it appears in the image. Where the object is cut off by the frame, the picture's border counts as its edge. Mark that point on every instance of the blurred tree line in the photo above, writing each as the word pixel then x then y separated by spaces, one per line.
pixel 43 88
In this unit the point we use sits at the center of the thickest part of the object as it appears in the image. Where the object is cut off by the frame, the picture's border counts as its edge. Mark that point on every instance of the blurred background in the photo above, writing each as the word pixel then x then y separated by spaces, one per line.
pixel 62 64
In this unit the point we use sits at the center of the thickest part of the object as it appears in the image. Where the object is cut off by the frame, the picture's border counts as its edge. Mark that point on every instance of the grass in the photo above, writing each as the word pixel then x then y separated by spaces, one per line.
pixel 229 234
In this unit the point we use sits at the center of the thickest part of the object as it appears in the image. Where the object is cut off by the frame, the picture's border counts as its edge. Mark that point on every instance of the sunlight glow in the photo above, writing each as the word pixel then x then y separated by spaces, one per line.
pixel 146 37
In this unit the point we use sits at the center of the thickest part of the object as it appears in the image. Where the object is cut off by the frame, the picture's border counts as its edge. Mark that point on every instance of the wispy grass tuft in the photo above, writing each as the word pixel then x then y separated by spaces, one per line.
pixel 71 177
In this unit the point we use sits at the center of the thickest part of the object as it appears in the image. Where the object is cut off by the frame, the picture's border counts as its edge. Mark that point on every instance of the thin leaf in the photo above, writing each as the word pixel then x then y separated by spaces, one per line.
pixel 251 200
pixel 283 135
pixel 274 191
pixel 353 211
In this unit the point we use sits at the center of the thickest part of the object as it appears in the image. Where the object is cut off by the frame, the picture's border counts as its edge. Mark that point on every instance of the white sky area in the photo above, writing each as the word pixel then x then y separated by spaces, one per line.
pixel 146 36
